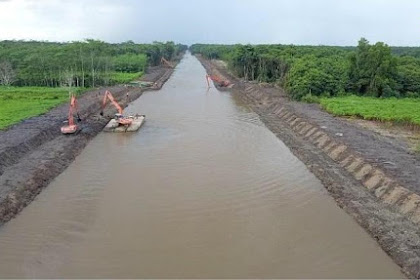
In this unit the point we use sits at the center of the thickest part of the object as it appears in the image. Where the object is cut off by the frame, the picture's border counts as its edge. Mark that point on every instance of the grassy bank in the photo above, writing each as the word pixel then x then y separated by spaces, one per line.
pixel 123 78
pixel 404 110
pixel 19 103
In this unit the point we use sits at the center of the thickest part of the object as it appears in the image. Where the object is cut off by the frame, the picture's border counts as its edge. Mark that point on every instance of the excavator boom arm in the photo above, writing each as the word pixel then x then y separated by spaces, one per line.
pixel 73 107
pixel 167 63
pixel 109 96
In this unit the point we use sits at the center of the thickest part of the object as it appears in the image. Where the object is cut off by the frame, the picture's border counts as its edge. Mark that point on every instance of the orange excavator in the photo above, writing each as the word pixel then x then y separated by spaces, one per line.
pixel 120 123
pixel 217 80
pixel 71 127
pixel 165 62
pixel 119 116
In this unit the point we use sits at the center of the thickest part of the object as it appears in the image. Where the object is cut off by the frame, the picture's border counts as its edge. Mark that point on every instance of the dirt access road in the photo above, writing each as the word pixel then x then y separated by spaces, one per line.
pixel 375 178
pixel 34 152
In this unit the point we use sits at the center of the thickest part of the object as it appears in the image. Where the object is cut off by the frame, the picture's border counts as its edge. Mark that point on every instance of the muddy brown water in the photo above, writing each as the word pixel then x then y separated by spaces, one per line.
pixel 203 190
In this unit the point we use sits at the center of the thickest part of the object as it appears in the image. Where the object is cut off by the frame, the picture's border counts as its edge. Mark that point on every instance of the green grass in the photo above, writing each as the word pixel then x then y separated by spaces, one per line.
pixel 123 78
pixel 19 103
pixel 404 110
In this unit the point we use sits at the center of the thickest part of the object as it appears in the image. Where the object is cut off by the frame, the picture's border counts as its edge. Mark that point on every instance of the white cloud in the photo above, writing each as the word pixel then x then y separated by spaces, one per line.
pixel 337 22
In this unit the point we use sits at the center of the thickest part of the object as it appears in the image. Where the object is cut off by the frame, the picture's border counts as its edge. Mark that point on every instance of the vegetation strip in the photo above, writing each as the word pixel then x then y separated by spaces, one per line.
pixel 84 64
pixel 375 70
pixel 404 111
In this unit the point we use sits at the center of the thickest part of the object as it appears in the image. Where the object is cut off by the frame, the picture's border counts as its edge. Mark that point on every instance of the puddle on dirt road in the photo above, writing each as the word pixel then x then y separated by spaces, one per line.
pixel 202 190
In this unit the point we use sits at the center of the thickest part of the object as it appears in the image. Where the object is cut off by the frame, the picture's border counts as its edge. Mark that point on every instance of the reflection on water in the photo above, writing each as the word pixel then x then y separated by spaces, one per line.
pixel 202 190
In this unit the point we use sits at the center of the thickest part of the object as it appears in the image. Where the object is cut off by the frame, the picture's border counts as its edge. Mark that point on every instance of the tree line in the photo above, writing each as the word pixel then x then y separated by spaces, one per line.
pixel 87 63
pixel 369 69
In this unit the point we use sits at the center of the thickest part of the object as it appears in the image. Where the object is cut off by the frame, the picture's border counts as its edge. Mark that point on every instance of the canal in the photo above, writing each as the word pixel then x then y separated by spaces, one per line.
pixel 203 190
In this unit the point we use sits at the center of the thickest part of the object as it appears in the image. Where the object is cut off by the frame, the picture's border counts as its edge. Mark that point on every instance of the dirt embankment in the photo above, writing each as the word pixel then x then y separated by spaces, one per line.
pixel 374 178
pixel 34 152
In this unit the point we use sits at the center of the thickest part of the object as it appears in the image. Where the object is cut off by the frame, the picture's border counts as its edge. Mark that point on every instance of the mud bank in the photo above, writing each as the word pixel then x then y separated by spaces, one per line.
pixel 34 152
pixel 373 178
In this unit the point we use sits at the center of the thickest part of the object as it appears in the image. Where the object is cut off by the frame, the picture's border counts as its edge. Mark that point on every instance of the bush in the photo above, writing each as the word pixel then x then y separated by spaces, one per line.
pixel 411 94
pixel 130 63
pixel 389 92
pixel 309 98
pixel 318 76
pixel 123 78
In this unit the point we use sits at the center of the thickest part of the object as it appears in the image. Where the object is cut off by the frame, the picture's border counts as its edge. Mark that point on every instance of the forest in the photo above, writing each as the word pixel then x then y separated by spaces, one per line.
pixel 374 70
pixel 88 63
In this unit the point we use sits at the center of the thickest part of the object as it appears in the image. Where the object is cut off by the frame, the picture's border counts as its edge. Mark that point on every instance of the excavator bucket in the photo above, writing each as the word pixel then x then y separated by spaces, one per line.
pixel 69 129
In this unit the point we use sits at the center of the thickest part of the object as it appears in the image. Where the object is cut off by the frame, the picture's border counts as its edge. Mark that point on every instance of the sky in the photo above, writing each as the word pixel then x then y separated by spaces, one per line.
pixel 300 22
